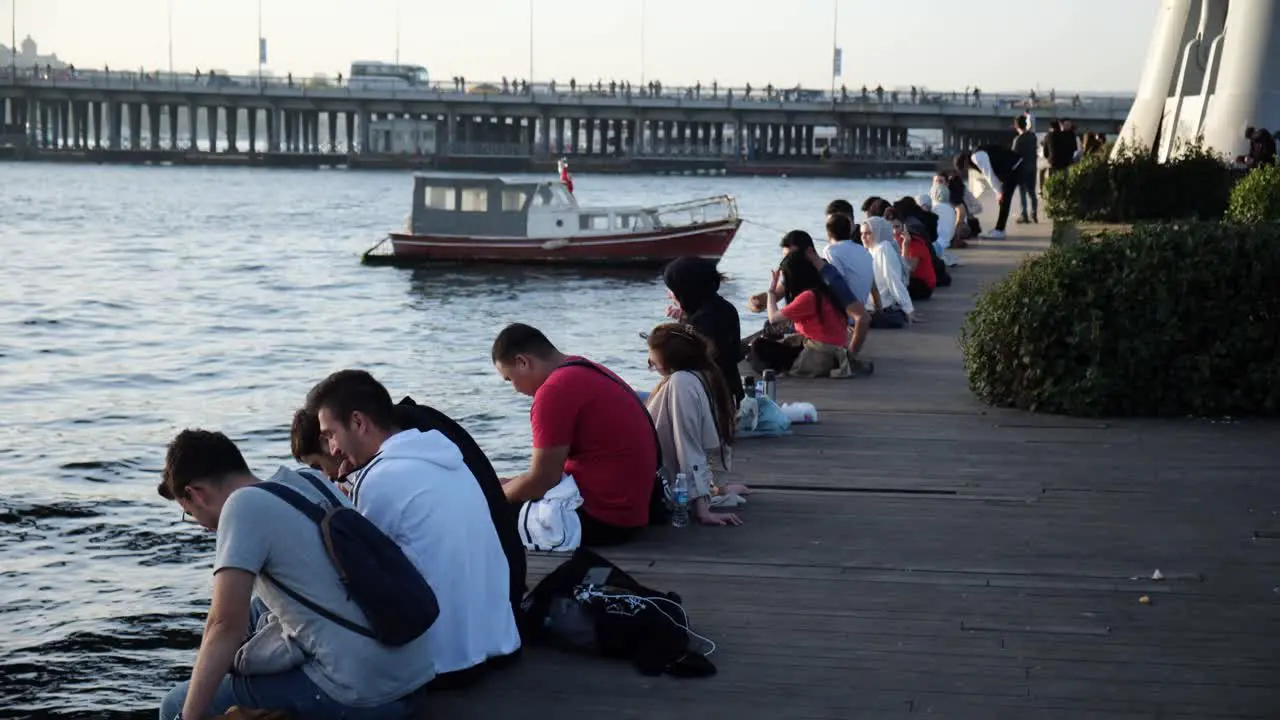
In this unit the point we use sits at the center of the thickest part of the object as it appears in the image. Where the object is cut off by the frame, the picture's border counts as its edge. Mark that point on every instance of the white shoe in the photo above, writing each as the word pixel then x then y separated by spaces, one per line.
pixel 994 235
pixel 949 259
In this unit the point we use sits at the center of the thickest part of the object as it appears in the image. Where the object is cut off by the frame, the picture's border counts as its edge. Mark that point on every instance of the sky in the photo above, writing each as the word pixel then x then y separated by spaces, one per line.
pixel 997 45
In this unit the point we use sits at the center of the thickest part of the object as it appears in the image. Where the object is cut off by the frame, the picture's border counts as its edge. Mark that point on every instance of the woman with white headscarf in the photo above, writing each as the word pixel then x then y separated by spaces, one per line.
pixel 877 237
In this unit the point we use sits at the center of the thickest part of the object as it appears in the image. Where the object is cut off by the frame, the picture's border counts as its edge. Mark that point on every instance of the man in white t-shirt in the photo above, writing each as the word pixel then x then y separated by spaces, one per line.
pixel 855 266
pixel 416 488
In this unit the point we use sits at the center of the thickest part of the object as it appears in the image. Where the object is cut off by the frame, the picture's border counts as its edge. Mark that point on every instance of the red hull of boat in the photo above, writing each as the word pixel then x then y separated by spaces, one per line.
pixel 648 248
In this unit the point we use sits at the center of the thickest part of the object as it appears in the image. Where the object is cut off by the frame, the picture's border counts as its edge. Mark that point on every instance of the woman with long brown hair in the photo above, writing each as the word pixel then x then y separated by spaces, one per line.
pixel 693 413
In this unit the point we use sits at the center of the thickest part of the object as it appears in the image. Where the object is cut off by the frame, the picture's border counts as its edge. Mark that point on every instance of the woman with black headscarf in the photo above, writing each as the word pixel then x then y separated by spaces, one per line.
pixel 694 285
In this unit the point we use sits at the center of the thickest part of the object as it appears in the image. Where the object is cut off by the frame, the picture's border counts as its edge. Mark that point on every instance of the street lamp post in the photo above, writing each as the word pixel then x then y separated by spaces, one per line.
pixel 13 38
pixel 397 32
pixel 531 45
pixel 643 18
pixel 261 44
pixel 171 78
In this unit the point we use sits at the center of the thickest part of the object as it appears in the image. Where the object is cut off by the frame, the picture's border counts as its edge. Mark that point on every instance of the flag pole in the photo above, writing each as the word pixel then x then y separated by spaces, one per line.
pixel 835 43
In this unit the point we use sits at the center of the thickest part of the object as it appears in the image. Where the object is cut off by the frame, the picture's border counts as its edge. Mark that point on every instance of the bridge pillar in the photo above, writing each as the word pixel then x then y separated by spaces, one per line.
pixel 95 117
pixel 114 124
pixel 233 129
pixel 212 112
pixel 333 131
pixel 193 127
pixel 287 120
pixel 450 131
pixel 135 125
pixel 717 140
pixel 364 131
pixel 171 111
pixel 153 126
pixel 251 119
pixel 58 111
pixel 77 120
pixel 271 122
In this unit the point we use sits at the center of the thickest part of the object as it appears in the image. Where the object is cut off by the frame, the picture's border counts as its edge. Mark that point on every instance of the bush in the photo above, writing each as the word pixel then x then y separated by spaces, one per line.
pixel 1133 187
pixel 1161 320
pixel 1256 198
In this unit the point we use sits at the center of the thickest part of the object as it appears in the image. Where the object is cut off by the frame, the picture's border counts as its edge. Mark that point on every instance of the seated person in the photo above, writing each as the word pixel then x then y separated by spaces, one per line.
pixel 338 673
pixel 822 328
pixel 693 413
pixel 417 488
pixel 855 266
pixel 694 285
pixel 588 423
pixel 309 449
pixel 916 260
pixel 891 279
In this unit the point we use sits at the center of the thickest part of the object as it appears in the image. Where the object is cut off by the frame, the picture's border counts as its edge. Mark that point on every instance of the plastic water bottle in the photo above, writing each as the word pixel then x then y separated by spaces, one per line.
pixel 680 515
pixel 771 385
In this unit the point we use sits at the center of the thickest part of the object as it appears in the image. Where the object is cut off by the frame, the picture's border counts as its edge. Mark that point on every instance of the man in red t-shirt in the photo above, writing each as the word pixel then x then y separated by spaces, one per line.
pixel 588 423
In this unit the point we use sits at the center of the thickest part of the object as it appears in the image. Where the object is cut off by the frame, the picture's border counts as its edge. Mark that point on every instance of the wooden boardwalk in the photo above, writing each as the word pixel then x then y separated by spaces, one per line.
pixel 916 553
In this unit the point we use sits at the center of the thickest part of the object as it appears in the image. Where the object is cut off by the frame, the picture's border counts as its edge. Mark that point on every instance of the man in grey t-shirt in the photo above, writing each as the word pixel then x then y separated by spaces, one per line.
pixel 295 660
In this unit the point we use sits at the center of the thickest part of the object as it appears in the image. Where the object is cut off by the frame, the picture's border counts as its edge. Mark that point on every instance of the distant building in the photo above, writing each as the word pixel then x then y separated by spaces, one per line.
pixel 28 56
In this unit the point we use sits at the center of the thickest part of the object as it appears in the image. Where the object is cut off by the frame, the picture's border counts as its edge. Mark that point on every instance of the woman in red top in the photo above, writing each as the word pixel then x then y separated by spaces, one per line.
pixel 816 313
pixel 917 261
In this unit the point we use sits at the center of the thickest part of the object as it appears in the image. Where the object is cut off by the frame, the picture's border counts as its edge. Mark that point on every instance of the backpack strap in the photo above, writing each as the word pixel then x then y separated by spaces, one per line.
pixel 657 445
pixel 316 514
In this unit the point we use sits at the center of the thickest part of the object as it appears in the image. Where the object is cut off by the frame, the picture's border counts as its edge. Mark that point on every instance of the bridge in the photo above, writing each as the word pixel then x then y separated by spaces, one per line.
pixel 189 117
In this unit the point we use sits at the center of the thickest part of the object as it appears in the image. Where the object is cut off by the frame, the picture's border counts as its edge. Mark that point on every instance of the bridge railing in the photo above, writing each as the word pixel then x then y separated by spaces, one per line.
pixel 922 100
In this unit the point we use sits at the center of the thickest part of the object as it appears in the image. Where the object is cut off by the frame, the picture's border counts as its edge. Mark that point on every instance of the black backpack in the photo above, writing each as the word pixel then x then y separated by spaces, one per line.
pixel 378 577
pixel 659 511
pixel 590 604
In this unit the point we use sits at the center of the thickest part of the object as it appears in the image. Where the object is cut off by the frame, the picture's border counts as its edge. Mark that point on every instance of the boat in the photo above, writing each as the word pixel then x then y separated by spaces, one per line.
pixel 486 219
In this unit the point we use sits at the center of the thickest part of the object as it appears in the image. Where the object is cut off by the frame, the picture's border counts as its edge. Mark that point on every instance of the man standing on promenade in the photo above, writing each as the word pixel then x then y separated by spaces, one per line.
pixel 1025 145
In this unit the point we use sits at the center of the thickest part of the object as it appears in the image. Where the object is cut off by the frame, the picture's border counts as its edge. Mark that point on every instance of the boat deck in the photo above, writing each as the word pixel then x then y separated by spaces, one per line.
pixel 916 553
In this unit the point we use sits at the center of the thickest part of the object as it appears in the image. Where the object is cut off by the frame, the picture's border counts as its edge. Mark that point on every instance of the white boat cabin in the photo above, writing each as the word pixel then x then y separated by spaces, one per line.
pixel 490 207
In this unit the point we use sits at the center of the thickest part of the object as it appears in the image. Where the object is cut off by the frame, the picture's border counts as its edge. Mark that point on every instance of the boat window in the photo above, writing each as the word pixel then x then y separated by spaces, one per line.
pixel 626 222
pixel 475 200
pixel 593 222
pixel 439 198
pixel 513 200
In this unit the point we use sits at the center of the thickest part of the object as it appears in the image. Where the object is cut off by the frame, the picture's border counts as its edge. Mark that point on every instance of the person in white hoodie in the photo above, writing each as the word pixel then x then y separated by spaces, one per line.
pixel 877 237
pixel 417 489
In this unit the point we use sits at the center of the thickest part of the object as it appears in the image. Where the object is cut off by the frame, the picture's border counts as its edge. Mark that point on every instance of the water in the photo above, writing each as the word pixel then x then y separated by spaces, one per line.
pixel 139 301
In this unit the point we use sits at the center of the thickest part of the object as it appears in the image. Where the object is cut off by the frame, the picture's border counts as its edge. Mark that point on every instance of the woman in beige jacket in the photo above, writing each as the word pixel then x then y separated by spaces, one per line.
pixel 693 413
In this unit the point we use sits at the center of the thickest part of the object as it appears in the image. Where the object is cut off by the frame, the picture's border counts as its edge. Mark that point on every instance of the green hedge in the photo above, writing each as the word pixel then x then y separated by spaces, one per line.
pixel 1134 187
pixel 1161 320
pixel 1256 198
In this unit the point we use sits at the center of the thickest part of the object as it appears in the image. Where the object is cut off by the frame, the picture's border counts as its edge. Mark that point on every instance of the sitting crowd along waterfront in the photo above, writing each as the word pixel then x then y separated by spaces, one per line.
pixel 390 562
